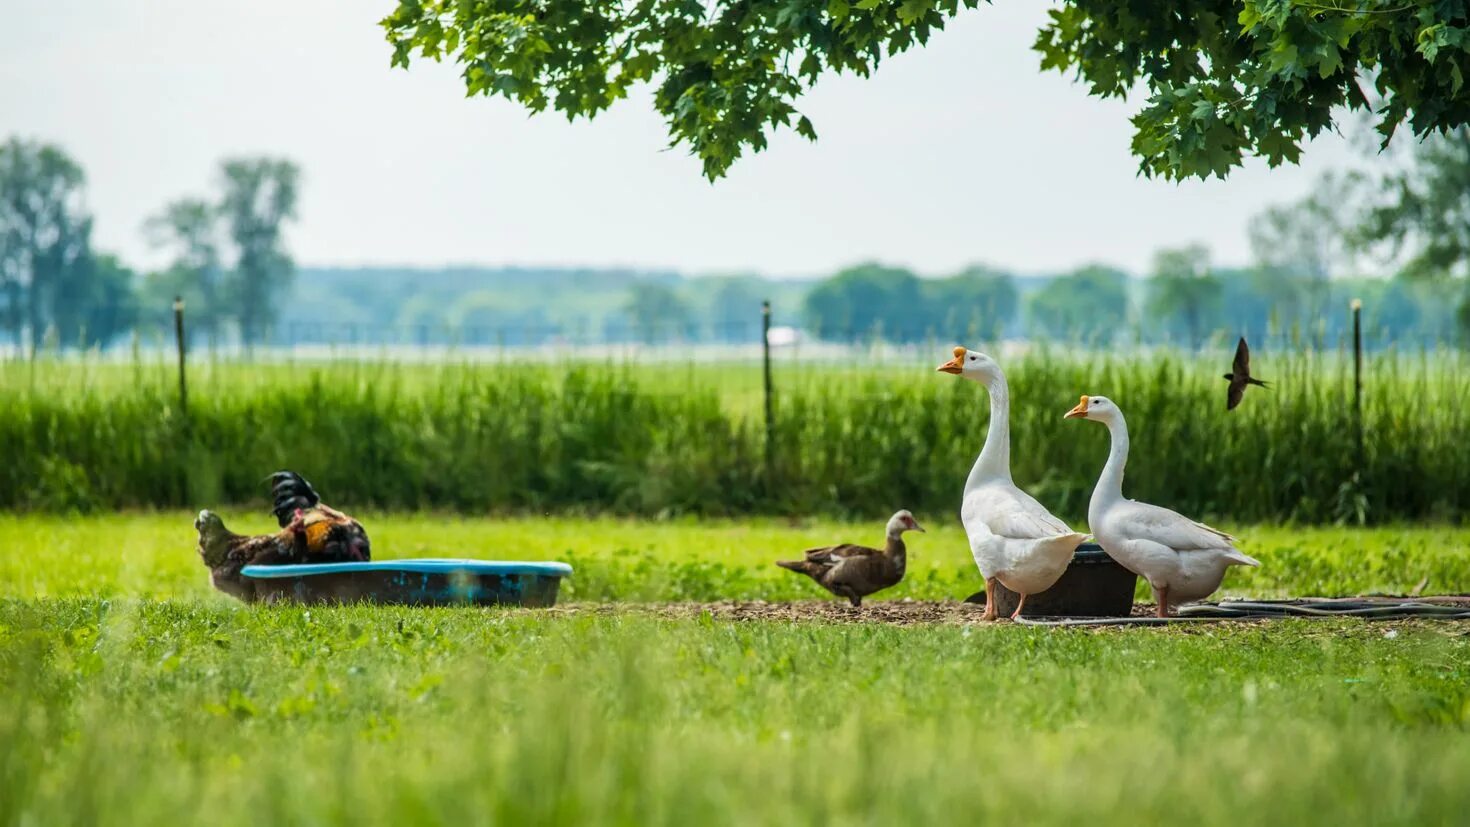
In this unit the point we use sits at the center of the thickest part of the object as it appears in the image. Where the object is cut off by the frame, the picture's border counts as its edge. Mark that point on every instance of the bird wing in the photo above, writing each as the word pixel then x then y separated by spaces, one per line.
pixel 1011 513
pixel 1235 393
pixel 1242 365
pixel 832 555
pixel 862 573
pixel 263 549
pixel 1169 528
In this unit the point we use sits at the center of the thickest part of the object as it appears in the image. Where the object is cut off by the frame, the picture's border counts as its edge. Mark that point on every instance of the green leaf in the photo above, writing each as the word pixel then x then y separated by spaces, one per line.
pixel 1330 62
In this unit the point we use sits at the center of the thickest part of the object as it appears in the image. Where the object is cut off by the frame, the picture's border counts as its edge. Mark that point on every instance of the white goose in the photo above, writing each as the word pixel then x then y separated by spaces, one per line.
pixel 1013 538
pixel 1181 559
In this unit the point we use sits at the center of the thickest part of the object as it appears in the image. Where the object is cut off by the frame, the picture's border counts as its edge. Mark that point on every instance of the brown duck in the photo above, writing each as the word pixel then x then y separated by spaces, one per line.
pixel 311 532
pixel 853 571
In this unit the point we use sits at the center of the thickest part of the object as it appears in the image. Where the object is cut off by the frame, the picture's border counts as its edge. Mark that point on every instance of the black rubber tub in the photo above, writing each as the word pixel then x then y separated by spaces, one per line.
pixel 1094 585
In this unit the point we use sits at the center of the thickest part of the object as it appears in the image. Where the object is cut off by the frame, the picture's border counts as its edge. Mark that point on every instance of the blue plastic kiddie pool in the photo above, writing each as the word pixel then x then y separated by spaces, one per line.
pixel 429 582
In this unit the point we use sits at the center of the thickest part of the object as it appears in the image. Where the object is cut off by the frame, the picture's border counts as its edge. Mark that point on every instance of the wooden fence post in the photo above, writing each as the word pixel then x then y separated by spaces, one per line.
pixel 179 335
pixel 1358 378
pixel 770 410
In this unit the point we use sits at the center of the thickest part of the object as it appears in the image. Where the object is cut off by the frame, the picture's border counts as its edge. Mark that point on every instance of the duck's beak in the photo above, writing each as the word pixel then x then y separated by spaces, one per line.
pixel 918 528
pixel 1079 412
pixel 955 365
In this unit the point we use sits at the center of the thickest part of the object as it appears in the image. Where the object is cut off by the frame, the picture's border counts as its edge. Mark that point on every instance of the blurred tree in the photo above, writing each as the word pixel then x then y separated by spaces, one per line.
pixel 45 235
pixel 189 228
pixel 1307 243
pixel 1183 293
pixel 1223 78
pixel 869 299
pixel 975 305
pixel 1089 304
pixel 655 310
pixel 100 301
pixel 259 198
pixel 1419 212
pixel 1421 209
pixel 735 307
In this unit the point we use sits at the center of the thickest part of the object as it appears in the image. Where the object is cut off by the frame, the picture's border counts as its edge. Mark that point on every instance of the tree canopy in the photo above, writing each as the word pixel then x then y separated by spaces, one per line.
pixel 1090 304
pixel 1223 79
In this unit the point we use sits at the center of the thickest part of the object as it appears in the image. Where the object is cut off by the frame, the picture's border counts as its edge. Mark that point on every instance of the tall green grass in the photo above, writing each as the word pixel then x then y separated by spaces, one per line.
pixel 138 712
pixel 589 435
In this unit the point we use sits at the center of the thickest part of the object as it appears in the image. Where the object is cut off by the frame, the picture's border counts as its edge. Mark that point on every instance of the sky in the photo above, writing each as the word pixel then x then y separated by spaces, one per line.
pixel 961 152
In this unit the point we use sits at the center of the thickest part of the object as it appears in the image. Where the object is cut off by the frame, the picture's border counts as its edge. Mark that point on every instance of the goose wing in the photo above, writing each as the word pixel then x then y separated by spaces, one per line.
pixel 1011 513
pixel 1169 528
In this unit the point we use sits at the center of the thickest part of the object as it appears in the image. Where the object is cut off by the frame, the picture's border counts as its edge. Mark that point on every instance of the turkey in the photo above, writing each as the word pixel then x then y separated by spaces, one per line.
pixel 311 532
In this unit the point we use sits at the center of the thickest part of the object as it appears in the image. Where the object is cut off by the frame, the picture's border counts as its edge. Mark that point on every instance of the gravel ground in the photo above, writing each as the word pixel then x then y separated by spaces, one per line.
pixel 896 612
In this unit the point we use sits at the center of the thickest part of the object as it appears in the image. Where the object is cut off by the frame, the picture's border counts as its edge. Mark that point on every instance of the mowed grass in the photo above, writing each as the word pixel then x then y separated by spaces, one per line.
pixel 129 693
pixel 152 555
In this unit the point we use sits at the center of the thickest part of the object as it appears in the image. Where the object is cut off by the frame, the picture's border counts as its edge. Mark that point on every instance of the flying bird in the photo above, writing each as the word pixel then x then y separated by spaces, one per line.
pixel 854 571
pixel 1240 376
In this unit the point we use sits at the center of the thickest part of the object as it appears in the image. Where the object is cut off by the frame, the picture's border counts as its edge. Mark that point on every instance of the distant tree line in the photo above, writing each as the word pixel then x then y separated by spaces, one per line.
pixel 227 257
pixel 1408 217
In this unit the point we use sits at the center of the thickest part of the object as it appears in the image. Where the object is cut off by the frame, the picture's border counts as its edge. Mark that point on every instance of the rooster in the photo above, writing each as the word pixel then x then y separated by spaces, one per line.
pixel 311 532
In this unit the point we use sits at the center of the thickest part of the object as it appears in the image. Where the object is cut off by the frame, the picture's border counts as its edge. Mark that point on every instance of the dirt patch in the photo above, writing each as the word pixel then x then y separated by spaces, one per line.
pixel 894 612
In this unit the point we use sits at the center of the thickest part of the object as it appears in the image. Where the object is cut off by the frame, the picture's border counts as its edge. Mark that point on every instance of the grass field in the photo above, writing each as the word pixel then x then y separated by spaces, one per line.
pixel 129 693
pixel 151 555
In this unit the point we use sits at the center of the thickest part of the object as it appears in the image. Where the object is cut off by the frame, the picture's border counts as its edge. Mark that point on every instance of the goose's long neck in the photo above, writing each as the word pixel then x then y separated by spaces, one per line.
pixel 994 462
pixel 1110 484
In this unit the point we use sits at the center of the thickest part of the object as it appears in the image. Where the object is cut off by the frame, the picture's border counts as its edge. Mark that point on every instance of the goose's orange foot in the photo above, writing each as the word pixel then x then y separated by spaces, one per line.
pixel 1017 613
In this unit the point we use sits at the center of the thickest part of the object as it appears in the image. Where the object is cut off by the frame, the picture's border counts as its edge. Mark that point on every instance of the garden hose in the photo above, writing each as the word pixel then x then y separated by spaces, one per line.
pixel 1368 609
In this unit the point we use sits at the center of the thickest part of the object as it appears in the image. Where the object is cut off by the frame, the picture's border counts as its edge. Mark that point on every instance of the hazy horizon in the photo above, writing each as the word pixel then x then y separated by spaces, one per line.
pixel 962 152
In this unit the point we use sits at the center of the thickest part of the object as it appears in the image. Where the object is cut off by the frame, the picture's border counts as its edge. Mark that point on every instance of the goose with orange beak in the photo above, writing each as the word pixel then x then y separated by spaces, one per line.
pixel 1015 541
pixel 1181 559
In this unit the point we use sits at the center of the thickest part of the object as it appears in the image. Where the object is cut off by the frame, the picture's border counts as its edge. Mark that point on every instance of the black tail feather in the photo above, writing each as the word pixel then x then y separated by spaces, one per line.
pixel 291 491
pixel 798 566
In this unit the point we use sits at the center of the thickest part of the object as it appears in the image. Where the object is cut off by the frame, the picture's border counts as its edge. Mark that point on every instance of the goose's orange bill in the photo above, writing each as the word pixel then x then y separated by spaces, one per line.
pixel 1079 411
pixel 955 365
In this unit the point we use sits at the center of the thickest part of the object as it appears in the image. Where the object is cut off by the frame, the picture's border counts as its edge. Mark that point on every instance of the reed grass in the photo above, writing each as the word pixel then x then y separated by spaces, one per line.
pixel 851 438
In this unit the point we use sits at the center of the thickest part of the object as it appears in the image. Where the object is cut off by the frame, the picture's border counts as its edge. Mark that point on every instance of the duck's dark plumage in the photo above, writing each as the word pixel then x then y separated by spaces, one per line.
pixel 853 571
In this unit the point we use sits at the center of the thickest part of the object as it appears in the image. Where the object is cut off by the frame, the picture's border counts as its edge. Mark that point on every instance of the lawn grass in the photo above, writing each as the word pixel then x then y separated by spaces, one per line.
pixel 128 712
pixel 130 693
pixel 152 555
